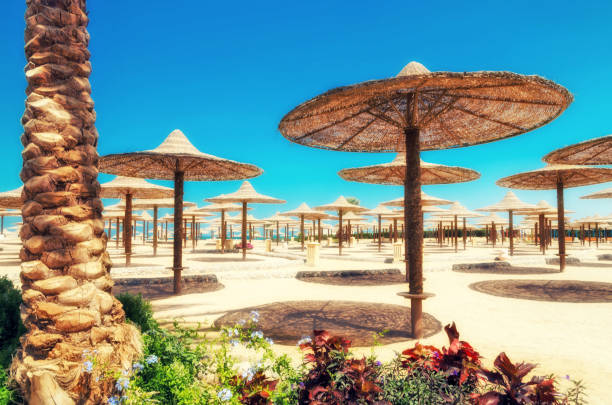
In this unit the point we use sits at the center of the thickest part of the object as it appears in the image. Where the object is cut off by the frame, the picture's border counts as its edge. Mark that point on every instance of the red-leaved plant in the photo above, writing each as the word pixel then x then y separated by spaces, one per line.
pixel 508 378
pixel 460 362
pixel 254 389
pixel 334 378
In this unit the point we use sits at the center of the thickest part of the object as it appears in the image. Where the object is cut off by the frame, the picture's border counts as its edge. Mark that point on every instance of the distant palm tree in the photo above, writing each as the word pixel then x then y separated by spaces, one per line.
pixel 353 200
pixel 66 287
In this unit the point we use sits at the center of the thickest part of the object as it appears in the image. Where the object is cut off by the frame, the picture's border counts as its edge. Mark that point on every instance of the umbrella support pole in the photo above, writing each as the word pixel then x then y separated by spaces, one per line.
pixel 128 236
pixel 413 220
pixel 340 235
pixel 244 229
pixel 455 235
pixel 155 230
pixel 561 224
pixel 302 230
pixel 177 267
pixel 223 231
pixel 379 234
pixel 464 234
pixel 511 232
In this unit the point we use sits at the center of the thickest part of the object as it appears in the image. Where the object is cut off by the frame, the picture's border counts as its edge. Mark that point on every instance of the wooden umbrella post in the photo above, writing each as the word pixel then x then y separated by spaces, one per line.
pixel 223 231
pixel 464 234
pixel 413 220
pixel 395 230
pixel 244 229
pixel 379 232
pixel 511 232
pixel 302 230
pixel 155 230
pixel 319 225
pixel 455 235
pixel 561 223
pixel 117 234
pixel 128 236
pixel 542 234
pixel 277 234
pixel 177 267
pixel 340 233
pixel 193 233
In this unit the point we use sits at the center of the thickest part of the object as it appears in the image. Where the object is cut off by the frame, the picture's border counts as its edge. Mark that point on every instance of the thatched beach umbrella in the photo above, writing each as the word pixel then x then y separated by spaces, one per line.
pixel 394 173
pixel 11 199
pixel 605 193
pixel 426 200
pixel 177 159
pixel 512 205
pixel 341 206
pixel 378 212
pixel 195 214
pixel 559 177
pixel 129 188
pixel 245 194
pixel 423 110
pixel 221 208
pixel 351 216
pixel 277 219
pixel 493 220
pixel 597 151
pixel 304 212
pixel 456 211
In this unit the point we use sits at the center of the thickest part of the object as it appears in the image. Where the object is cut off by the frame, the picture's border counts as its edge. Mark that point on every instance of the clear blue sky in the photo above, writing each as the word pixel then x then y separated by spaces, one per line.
pixel 225 73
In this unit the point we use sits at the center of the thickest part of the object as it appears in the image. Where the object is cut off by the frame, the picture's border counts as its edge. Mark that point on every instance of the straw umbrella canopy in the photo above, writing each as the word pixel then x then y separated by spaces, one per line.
pixel 596 220
pixel 420 110
pixel 129 188
pixel 605 193
pixel 304 212
pixel 597 151
pixel 341 206
pixel 378 212
pixel 11 199
pixel 177 159
pixel 193 213
pixel 245 194
pixel 394 173
pixel 511 204
pixel 356 219
pixel 456 210
pixel 221 208
pixel 559 177
pixel 277 219
pixel 493 220
pixel 426 200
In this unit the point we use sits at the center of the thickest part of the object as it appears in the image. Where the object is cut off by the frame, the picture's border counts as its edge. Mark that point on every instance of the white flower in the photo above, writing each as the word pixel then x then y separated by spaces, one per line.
pixel 304 340
pixel 225 395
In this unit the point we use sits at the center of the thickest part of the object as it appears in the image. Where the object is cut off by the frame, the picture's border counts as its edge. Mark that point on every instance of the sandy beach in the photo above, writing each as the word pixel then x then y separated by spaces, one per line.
pixel 564 338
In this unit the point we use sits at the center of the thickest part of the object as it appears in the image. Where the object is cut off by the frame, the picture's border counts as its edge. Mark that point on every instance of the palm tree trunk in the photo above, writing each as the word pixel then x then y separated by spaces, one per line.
pixel 66 286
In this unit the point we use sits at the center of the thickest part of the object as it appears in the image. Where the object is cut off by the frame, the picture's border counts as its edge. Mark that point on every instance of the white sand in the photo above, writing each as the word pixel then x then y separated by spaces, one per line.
pixel 564 338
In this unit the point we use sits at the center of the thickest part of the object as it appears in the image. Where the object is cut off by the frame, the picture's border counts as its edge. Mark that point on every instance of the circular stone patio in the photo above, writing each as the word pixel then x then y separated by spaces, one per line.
pixel 163 287
pixel 287 322
pixel 499 268
pixel 353 277
pixel 548 290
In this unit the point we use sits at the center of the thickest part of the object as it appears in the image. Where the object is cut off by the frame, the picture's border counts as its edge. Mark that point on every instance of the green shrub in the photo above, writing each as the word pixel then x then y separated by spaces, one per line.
pixel 11 327
pixel 138 311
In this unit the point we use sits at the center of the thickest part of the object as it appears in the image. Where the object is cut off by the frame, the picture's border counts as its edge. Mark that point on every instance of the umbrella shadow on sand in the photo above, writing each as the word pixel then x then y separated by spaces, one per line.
pixel 288 322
